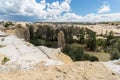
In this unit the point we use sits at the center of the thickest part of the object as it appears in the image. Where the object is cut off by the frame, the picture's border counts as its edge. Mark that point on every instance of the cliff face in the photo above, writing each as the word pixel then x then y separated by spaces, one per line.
pixel 28 62
pixel 23 33
pixel 24 55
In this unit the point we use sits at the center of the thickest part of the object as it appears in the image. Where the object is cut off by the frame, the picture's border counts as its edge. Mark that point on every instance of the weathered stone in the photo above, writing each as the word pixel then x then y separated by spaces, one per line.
pixel 61 40
pixel 75 71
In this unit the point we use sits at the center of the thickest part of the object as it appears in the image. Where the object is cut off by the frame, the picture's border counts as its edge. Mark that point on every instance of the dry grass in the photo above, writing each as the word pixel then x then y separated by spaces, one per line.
pixel 101 55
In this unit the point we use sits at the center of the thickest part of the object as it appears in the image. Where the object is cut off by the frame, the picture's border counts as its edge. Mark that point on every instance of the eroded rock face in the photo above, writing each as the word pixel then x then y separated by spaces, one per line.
pixel 75 71
pixel 61 40
pixel 24 55
pixel 23 33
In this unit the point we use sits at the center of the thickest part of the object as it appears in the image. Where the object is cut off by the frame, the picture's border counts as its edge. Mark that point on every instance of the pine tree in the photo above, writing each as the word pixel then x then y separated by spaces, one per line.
pixel 91 41
pixel 110 39
pixel 82 34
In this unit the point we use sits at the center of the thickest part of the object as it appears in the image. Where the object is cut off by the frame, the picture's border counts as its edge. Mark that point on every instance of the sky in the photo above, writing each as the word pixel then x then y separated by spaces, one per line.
pixel 60 10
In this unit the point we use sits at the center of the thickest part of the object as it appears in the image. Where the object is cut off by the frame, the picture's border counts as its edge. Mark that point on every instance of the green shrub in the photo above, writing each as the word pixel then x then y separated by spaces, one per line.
pixel 93 58
pixel 86 57
pixel 91 40
pixel 7 24
pixel 100 42
pixel 51 44
pixel 35 42
pixel 114 54
pixel 5 59
pixel 77 54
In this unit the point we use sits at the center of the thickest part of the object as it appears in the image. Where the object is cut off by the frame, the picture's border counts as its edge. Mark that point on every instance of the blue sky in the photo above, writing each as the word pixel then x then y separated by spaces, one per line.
pixel 84 7
pixel 60 10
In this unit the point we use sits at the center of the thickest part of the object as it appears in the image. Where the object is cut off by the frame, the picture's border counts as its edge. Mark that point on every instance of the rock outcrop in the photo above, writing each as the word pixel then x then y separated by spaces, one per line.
pixel 113 65
pixel 61 40
pixel 24 55
pixel 23 33
pixel 75 71
pixel 56 54
pixel 28 62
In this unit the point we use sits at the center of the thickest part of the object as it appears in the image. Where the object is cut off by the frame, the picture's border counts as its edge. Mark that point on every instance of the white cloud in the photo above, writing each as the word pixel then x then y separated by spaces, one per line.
pixel 30 10
pixel 102 17
pixel 104 8
pixel 41 10
pixel 72 17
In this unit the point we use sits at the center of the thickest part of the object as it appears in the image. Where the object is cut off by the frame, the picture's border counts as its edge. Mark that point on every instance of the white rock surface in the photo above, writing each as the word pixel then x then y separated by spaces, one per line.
pixel 2 33
pixel 113 65
pixel 22 54
pixel 50 52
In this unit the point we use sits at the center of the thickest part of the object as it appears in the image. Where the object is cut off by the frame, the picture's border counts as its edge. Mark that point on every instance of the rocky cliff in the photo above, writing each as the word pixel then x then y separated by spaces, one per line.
pixel 24 55
pixel 28 62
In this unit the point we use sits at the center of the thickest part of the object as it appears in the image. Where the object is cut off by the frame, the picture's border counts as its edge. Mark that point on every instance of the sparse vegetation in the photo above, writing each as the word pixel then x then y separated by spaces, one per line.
pixel 91 40
pixel 7 24
pixel 115 54
pixel 82 36
pixel 5 59
pixel 102 56
pixel 48 36
pixel 77 54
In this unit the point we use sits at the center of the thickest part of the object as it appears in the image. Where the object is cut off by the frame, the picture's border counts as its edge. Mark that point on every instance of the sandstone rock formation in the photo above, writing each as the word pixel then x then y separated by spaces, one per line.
pixel 56 54
pixel 75 71
pixel 23 33
pixel 28 62
pixel 24 55
pixel 61 40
